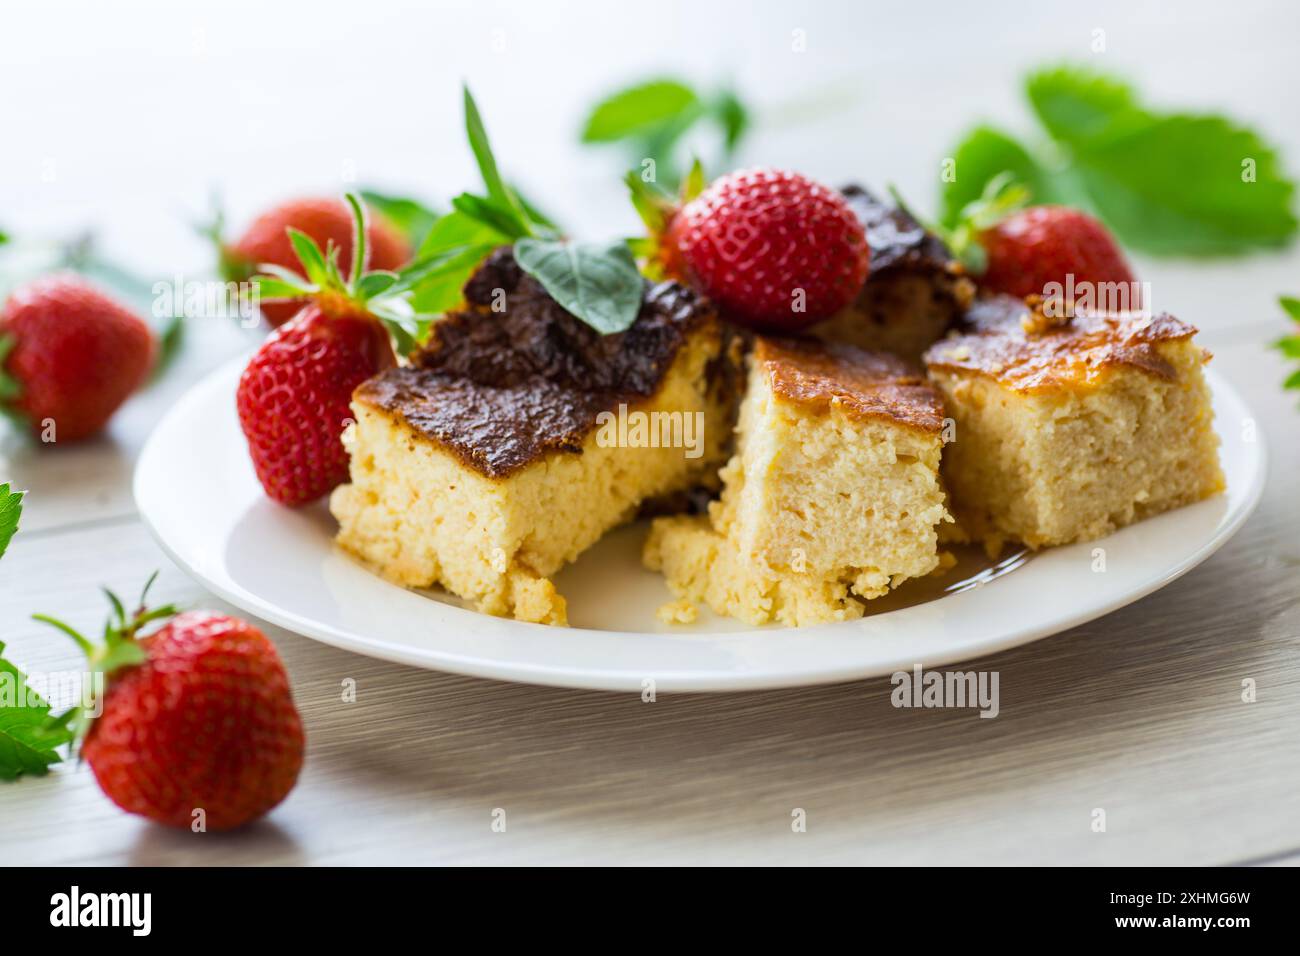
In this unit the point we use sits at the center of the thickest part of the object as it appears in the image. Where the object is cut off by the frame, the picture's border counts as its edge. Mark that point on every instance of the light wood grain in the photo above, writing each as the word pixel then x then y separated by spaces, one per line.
pixel 1138 713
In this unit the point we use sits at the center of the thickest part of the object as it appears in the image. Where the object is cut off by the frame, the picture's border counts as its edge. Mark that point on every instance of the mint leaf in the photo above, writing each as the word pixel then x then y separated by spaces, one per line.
pixel 410 216
pixel 596 282
pixel 981 156
pixel 636 110
pixel 503 219
pixel 28 737
pixel 478 142
pixel 11 509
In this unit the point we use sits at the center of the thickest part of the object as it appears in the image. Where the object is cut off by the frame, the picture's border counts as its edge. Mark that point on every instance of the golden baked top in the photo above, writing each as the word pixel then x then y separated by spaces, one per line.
pixel 502 388
pixel 1030 356
pixel 864 384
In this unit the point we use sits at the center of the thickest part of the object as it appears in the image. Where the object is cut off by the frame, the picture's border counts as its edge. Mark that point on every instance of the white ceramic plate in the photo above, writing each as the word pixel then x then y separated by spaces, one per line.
pixel 196 490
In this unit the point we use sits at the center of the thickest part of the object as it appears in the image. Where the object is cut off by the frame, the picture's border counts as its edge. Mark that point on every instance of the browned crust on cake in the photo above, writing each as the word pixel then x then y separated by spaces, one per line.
pixel 502 389
pixel 1076 354
pixel 865 385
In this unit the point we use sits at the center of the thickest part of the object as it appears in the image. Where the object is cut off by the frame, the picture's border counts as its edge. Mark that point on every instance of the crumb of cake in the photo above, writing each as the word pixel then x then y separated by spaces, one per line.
pixel 680 611
pixel 832 498
pixel 1042 315
pixel 482 468
pixel 947 561
pixel 1070 433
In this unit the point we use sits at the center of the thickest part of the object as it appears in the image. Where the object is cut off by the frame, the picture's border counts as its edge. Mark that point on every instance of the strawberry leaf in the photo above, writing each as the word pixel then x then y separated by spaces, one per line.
pixel 638 109
pixel 28 737
pixel 1290 304
pixel 11 510
pixel 310 255
pixel 652 204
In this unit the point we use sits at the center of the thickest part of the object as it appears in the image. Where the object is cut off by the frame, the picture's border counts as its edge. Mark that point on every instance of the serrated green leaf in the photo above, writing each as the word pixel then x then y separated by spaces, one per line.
pixel 1078 106
pixel 596 282
pixel 1176 187
pixel 1289 303
pixel 635 110
pixel 983 154
pixel 11 510
pixel 28 741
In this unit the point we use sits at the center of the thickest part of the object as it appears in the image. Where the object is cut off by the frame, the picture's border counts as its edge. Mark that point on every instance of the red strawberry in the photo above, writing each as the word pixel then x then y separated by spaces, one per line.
pixel 294 396
pixel 197 715
pixel 1042 244
pixel 293 399
pixel 327 221
pixel 773 249
pixel 70 355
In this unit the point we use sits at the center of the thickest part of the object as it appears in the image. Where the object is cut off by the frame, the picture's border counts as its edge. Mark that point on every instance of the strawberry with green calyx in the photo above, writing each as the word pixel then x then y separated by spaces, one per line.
pixel 326 221
pixel 293 397
pixel 1022 251
pixel 773 249
pixel 656 207
pixel 196 715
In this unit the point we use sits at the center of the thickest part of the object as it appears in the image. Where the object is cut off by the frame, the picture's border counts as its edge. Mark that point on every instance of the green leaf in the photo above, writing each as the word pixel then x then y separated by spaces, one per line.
pixel 1289 346
pixel 478 142
pixel 695 181
pixel 733 117
pixel 1079 106
pixel 652 203
pixel 458 230
pixel 634 111
pixel 170 341
pixel 1293 380
pixel 310 255
pixel 28 740
pixel 1176 187
pixel 376 283
pixel 596 282
pixel 459 260
pixel 11 509
pixel 981 156
pixel 410 216
pixel 271 287
pixel 503 219
pixel 1288 302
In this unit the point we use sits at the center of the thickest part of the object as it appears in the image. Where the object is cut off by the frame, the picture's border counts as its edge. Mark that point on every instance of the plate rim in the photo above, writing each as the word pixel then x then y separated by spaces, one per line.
pixel 681 682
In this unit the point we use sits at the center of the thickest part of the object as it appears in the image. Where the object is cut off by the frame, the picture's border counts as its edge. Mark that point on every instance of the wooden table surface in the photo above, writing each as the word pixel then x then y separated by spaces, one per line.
pixel 1139 713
